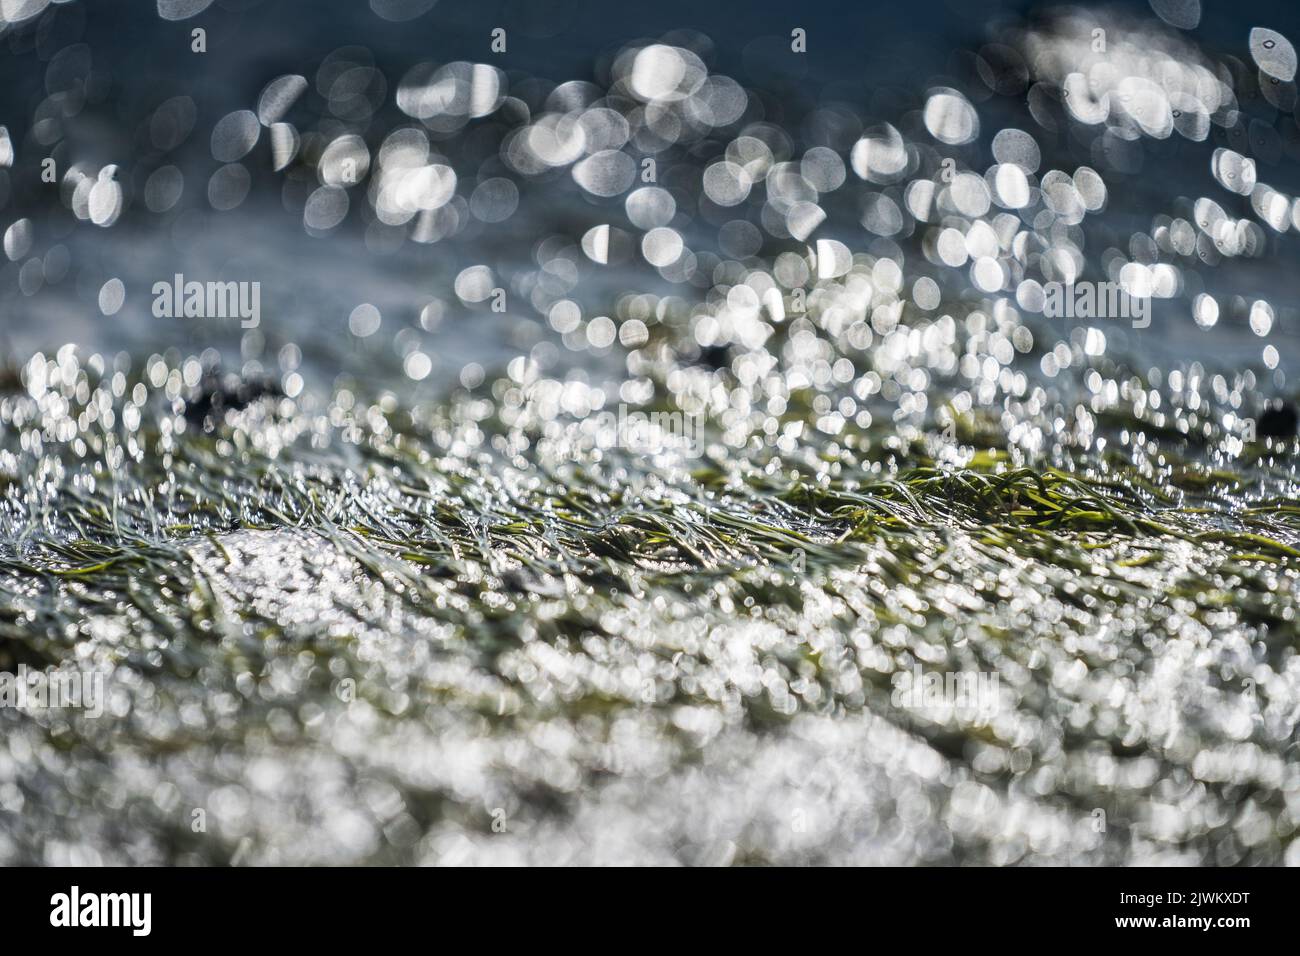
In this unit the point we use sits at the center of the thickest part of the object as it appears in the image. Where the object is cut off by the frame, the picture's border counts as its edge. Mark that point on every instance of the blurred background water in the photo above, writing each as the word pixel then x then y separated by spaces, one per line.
pixel 117 83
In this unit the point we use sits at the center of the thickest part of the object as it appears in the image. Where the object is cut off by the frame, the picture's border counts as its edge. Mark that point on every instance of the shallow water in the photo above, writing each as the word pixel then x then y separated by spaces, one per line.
pixel 412 591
